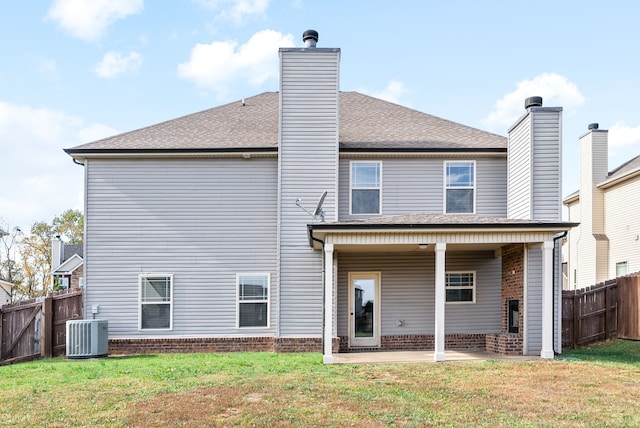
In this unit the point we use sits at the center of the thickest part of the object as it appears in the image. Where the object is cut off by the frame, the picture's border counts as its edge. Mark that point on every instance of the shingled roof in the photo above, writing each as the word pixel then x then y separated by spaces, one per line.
pixel 627 170
pixel 431 221
pixel 366 123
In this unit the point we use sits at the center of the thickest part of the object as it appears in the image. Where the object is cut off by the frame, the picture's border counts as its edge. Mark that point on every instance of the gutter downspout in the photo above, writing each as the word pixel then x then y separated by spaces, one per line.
pixel 324 308
pixel 555 278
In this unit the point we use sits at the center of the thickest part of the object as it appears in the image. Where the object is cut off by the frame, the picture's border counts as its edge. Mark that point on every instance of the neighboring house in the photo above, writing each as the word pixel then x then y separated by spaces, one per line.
pixel 5 287
pixel 607 242
pixel 5 292
pixel 204 232
pixel 67 264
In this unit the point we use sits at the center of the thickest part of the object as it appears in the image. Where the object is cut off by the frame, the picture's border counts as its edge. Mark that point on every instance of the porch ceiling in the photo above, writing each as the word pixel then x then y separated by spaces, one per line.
pixel 409 248
pixel 408 232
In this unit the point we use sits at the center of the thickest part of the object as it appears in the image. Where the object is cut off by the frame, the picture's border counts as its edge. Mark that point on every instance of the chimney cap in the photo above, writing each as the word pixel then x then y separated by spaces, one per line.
pixel 533 102
pixel 310 37
pixel 593 126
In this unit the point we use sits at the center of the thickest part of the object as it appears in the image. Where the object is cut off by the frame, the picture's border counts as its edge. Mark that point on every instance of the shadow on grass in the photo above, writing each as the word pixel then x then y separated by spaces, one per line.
pixel 614 351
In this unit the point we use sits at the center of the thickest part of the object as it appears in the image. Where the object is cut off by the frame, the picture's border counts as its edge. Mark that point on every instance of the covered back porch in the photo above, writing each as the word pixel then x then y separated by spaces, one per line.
pixel 438 283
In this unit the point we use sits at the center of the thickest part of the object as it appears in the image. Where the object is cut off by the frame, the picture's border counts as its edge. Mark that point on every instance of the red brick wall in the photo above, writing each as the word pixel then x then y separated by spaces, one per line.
pixel 75 277
pixel 159 346
pixel 419 342
pixel 234 344
pixel 504 343
pixel 512 280
pixel 512 289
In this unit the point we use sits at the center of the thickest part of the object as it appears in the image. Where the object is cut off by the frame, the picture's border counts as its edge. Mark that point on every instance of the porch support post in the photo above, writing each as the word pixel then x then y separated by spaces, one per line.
pixel 439 355
pixel 328 304
pixel 547 300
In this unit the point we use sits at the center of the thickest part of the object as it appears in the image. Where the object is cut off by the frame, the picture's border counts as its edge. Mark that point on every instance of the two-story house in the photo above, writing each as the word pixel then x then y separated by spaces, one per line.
pixel 606 244
pixel 213 231
pixel 66 264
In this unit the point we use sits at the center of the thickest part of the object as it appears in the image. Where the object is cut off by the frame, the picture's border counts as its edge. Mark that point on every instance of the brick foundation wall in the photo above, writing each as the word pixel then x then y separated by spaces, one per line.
pixel 227 344
pixel 419 342
pixel 305 344
pixel 504 343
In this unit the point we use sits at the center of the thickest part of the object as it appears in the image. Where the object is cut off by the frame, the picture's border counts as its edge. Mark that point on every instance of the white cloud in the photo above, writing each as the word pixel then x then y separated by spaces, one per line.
pixel 237 11
pixel 218 65
pixel 115 63
pixel 555 90
pixel 88 20
pixel 392 92
pixel 38 179
pixel 622 135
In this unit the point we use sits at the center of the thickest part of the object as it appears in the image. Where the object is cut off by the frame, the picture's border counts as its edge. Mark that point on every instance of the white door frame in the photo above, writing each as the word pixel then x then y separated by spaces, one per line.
pixel 369 341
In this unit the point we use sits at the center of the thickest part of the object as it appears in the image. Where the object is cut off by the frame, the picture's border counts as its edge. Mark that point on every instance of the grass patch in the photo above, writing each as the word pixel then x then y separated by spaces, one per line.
pixel 617 351
pixel 602 388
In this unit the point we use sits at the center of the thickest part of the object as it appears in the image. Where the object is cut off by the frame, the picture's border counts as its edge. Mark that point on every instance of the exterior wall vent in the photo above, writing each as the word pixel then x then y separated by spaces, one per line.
pixel 533 102
pixel 87 338
pixel 593 126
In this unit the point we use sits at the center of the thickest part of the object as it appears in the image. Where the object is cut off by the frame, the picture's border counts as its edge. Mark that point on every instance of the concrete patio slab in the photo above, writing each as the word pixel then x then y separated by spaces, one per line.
pixel 388 357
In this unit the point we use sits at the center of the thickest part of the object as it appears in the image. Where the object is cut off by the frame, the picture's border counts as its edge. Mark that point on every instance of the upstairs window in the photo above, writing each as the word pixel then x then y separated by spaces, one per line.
pixel 253 300
pixel 156 302
pixel 460 187
pixel 460 287
pixel 365 187
pixel 621 269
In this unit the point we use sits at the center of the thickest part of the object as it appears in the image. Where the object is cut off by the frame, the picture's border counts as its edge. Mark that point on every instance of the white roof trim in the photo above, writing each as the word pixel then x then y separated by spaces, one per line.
pixel 6 287
pixel 69 265
pixel 400 237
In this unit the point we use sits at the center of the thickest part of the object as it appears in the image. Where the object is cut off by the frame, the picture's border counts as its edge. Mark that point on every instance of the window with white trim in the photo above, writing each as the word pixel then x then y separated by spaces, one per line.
pixel 621 269
pixel 253 300
pixel 366 187
pixel 460 287
pixel 460 187
pixel 156 302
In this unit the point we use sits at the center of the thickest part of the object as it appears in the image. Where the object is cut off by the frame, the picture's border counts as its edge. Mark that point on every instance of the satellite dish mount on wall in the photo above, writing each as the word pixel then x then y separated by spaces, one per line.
pixel 318 211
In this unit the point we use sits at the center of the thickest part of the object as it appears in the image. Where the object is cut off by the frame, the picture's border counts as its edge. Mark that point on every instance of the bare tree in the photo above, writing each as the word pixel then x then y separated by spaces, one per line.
pixel 10 268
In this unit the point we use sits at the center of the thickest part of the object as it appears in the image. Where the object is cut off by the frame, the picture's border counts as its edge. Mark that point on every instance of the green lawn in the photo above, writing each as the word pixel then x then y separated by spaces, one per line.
pixel 595 386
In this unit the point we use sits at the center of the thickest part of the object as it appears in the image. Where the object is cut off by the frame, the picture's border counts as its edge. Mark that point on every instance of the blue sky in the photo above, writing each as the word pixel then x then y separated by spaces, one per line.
pixel 73 71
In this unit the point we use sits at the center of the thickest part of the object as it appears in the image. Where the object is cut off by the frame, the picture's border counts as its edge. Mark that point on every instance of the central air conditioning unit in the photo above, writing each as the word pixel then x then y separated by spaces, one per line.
pixel 87 338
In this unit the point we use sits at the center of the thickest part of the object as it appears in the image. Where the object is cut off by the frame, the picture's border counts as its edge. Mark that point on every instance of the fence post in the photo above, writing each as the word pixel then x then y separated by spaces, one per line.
pixel 576 319
pixel 47 327
pixel 607 311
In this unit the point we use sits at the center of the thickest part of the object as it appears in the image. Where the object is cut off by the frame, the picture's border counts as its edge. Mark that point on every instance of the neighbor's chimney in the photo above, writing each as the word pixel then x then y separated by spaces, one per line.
pixel 57 252
pixel 592 257
pixel 310 38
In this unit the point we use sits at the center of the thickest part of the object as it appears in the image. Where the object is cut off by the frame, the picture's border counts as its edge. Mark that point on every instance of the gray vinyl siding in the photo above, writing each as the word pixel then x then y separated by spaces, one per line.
pixel 491 187
pixel 484 316
pixel 202 220
pixel 408 291
pixel 557 299
pixel 416 185
pixel 534 172
pixel 533 328
pixel 547 180
pixel 308 167
pixel 519 172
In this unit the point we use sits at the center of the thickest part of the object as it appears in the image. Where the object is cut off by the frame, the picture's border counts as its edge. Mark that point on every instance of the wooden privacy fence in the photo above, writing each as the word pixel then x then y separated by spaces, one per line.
pixel 601 312
pixel 36 328
pixel 629 307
